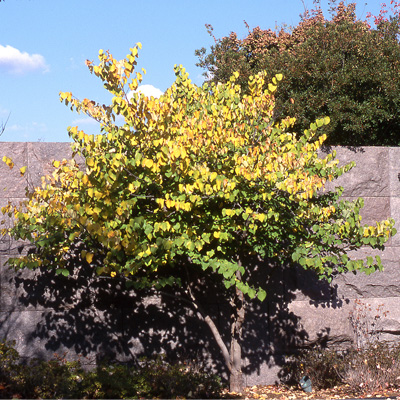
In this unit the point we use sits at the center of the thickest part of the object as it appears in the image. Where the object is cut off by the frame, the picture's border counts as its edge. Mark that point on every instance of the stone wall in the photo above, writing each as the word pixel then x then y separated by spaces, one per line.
pixel 95 318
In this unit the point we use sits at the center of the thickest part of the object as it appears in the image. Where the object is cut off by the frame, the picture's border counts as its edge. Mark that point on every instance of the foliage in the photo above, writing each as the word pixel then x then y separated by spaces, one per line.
pixel 152 379
pixel 323 366
pixel 199 179
pixel 374 367
pixel 370 365
pixel 366 322
pixel 340 67
pixel 37 379
pixel 373 364
pixel 201 174
pixel 59 378
pixel 8 362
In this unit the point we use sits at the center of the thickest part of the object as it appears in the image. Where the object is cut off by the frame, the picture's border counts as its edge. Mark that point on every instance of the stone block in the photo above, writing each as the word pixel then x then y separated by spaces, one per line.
pixel 394 171
pixel 379 284
pixel 370 176
pixel 158 325
pixel 380 316
pixel 266 373
pixel 301 284
pixel 86 333
pixel 41 156
pixel 346 326
pixel 328 326
pixel 395 214
pixel 11 182
pixel 375 209
pixel 13 294
pixel 18 326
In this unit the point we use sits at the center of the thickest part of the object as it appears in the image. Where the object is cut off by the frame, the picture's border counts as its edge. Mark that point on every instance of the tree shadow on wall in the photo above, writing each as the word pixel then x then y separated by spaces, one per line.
pixel 98 318
pixel 273 331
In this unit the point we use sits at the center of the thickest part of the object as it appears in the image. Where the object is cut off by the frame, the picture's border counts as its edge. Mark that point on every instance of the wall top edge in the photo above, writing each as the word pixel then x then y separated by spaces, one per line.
pixel 10 142
pixel 322 148
pixel 355 148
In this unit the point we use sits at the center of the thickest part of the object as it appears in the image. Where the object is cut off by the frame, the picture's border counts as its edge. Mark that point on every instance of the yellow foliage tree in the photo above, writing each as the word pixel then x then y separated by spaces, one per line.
pixel 201 178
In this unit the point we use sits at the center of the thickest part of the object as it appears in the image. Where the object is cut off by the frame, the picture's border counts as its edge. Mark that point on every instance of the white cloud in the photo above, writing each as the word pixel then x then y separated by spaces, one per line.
pixel 27 132
pixel 148 90
pixel 85 121
pixel 14 61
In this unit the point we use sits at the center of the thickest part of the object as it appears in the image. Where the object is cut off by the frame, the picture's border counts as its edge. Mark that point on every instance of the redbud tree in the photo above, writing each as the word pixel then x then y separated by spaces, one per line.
pixel 199 179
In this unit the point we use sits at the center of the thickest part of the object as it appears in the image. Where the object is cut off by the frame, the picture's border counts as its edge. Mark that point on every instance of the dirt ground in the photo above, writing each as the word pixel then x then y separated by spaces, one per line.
pixel 285 393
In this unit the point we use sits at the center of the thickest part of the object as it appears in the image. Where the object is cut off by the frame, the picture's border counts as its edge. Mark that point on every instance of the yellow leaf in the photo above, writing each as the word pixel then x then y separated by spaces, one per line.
pixel 22 171
pixel 176 152
pixel 8 161
pixel 89 257
pixel 85 179
pixel 170 203
pixel 134 51
pixel 148 163
pixel 217 234
pixel 56 164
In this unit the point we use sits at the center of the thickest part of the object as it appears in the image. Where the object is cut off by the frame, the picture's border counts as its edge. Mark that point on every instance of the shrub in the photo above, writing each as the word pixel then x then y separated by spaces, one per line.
pixel 324 367
pixel 59 378
pixel 8 366
pixel 178 379
pixel 371 365
pixel 152 379
pixel 375 367
pixel 370 369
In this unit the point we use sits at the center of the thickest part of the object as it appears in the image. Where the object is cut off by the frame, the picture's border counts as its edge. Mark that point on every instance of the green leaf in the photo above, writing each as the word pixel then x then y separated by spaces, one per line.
pixel 261 294
pixel 62 271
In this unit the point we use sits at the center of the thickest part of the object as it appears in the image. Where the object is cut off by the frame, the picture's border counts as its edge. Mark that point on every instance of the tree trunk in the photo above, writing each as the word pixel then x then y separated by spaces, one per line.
pixel 236 376
pixel 232 357
pixel 238 313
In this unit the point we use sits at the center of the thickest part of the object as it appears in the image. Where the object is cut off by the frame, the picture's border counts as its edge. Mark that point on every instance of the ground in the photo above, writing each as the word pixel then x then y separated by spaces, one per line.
pixel 285 393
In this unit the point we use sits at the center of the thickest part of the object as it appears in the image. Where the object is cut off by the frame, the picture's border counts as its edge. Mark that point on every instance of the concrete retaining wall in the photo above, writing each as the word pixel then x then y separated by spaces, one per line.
pixel 95 318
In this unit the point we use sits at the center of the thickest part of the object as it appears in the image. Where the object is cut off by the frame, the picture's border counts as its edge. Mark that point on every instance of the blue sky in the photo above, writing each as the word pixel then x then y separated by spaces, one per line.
pixel 44 45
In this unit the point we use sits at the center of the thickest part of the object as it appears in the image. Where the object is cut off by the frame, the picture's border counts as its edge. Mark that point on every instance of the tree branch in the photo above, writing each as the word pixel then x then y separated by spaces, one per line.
pixel 3 125
pixel 214 330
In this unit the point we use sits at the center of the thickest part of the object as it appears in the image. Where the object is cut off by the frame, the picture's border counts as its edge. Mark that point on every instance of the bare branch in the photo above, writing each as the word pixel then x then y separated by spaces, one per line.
pixel 3 124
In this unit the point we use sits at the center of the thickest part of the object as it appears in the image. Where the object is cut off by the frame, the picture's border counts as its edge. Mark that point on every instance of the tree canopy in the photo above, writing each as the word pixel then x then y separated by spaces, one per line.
pixel 199 179
pixel 340 67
